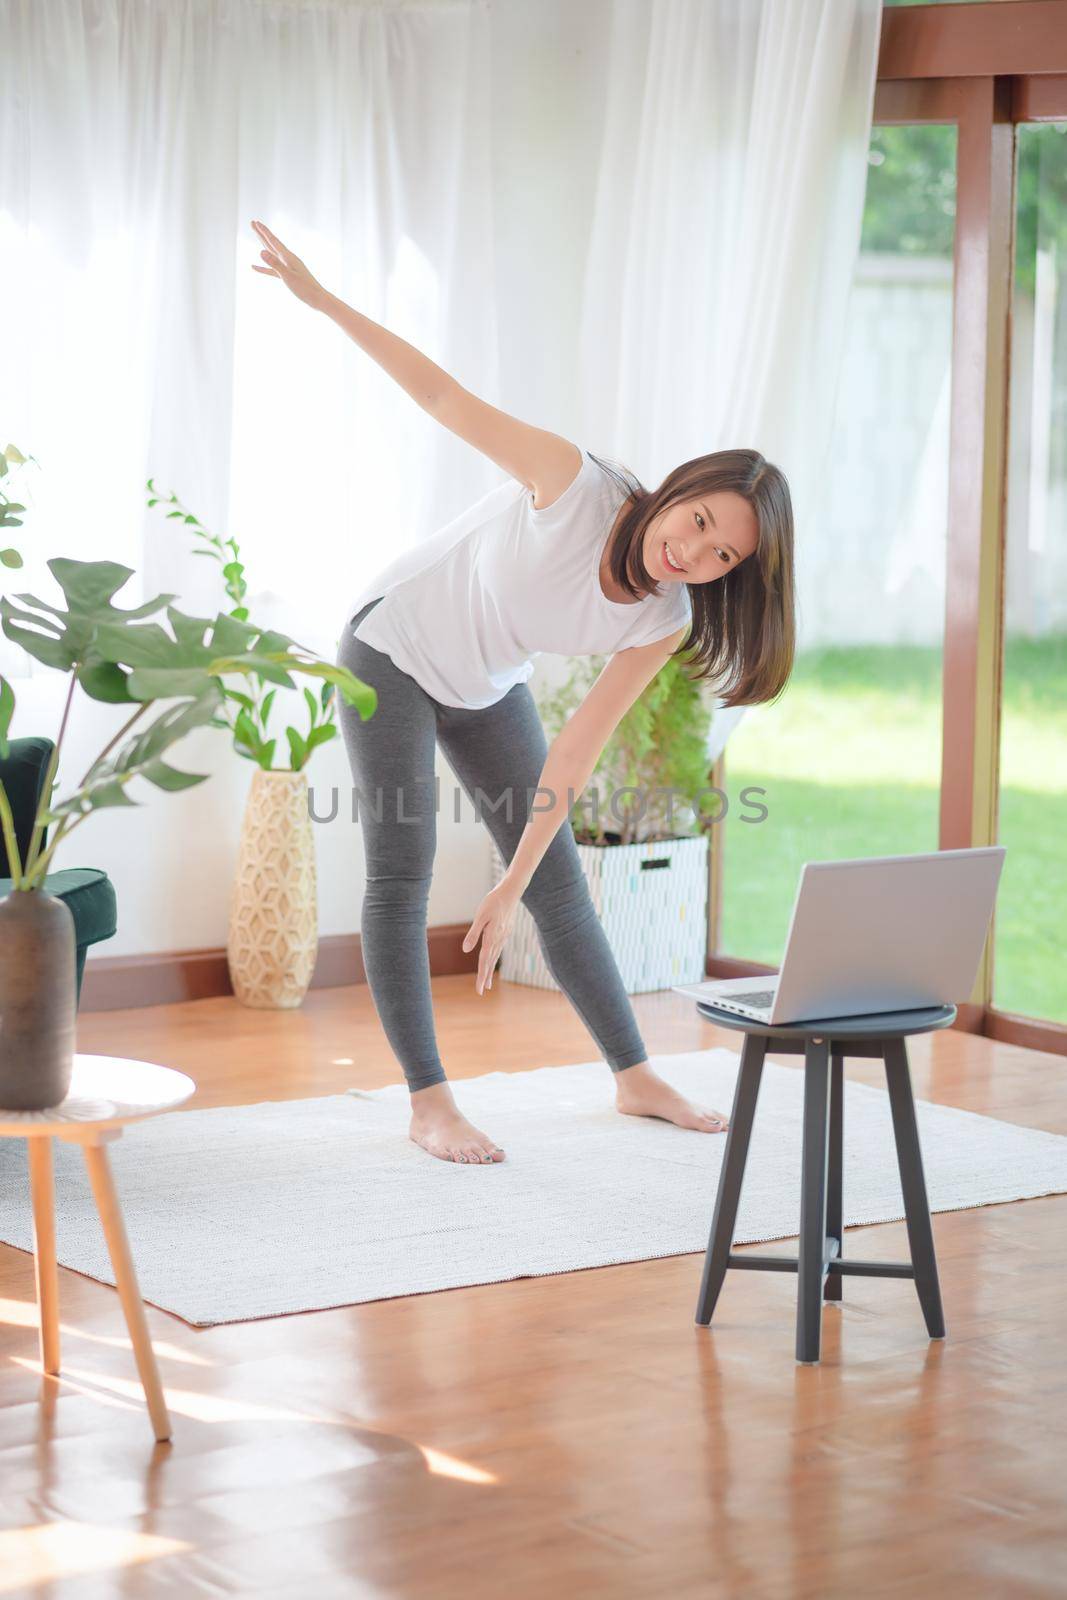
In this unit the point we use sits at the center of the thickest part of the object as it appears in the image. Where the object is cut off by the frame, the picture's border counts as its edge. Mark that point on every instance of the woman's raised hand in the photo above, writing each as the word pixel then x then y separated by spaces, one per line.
pixel 283 264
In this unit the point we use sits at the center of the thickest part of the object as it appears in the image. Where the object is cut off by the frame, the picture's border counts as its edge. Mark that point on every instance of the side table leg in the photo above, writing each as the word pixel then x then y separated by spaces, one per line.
pixel 913 1185
pixel 42 1194
pixel 733 1171
pixel 834 1230
pixel 812 1245
pixel 107 1203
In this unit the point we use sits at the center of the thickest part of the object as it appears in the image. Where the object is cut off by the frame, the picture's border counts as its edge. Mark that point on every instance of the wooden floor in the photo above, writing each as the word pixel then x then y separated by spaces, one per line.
pixel 574 1435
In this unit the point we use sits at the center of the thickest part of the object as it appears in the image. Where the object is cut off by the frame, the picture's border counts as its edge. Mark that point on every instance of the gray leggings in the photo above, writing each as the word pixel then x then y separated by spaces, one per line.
pixel 499 748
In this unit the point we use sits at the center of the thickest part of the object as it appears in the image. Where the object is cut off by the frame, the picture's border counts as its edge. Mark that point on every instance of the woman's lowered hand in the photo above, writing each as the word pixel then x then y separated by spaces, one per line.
pixel 492 923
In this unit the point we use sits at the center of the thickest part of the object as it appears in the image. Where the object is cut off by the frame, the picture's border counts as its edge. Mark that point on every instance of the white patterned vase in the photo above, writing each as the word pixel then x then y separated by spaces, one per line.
pixel 273 935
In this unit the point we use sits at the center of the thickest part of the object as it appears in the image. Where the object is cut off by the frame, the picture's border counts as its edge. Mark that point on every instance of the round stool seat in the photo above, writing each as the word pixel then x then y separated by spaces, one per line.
pixel 875 1024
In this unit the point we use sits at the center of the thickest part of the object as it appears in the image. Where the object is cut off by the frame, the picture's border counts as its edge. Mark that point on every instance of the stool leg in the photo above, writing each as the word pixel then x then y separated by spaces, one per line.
pixel 812 1247
pixel 734 1157
pixel 107 1203
pixel 834 1229
pixel 42 1193
pixel 913 1185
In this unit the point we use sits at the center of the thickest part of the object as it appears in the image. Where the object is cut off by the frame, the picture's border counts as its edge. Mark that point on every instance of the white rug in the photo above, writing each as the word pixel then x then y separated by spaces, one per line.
pixel 255 1211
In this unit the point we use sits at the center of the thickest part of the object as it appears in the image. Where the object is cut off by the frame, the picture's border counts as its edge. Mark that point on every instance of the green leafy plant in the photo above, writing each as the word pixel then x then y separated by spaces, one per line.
pixel 8 507
pixel 654 764
pixel 251 712
pixel 118 657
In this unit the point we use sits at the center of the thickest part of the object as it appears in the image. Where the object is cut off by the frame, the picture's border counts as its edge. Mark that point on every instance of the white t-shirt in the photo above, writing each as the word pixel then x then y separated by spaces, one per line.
pixel 465 612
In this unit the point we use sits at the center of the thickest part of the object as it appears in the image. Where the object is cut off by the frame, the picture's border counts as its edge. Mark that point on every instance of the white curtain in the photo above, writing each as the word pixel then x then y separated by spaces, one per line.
pixel 727 225
pixel 631 221
pixel 137 140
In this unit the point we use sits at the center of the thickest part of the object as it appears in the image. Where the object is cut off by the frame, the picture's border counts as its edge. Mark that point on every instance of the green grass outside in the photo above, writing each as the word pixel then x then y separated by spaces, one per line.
pixel 850 759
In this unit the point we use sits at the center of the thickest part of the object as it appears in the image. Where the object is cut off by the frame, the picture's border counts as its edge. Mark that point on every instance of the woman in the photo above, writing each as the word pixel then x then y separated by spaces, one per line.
pixel 570 557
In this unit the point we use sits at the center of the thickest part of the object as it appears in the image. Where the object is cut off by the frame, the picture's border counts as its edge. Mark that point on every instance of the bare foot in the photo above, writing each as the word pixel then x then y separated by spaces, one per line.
pixel 640 1092
pixel 438 1125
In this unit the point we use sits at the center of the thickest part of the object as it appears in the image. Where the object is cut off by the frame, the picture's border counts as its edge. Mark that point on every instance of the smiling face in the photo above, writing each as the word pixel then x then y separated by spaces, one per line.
pixel 697 541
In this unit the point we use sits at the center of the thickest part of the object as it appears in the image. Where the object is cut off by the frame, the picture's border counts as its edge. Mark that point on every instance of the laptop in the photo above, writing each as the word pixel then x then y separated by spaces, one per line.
pixel 882 933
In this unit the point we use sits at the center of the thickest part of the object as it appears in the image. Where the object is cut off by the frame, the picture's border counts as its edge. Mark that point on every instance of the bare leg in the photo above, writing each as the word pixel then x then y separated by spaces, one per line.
pixel 392 760
pixel 498 755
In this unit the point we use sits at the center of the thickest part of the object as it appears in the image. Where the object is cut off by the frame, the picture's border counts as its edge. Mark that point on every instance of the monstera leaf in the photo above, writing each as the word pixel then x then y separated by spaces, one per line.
pixel 140 757
pixel 65 637
pixel 119 657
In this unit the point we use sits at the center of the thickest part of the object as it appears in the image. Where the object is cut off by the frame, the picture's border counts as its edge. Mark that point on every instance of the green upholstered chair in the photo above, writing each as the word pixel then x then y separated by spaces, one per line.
pixel 88 891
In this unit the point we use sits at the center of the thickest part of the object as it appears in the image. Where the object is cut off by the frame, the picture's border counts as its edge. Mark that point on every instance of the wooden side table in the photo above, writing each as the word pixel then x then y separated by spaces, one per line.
pixel 819 1263
pixel 106 1093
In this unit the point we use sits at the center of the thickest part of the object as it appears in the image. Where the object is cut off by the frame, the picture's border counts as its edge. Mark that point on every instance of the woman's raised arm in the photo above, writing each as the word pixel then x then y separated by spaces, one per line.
pixel 420 377
pixel 542 460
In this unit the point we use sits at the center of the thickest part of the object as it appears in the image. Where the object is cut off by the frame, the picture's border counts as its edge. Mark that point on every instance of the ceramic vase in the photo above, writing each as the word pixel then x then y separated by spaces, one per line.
pixel 38 1000
pixel 273 927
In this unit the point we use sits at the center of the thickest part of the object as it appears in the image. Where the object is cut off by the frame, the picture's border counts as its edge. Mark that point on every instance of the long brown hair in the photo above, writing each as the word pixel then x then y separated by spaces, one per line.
pixel 744 623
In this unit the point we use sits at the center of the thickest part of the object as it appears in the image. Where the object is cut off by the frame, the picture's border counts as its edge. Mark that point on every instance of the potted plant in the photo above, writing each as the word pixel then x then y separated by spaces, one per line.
pixel 641 830
pixel 119 657
pixel 273 931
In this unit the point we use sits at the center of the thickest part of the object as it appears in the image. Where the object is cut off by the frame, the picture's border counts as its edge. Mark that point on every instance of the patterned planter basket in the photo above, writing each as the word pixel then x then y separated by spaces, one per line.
pixel 652 903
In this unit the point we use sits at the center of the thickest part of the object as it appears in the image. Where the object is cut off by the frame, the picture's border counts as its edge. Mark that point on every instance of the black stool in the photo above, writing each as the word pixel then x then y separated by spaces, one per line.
pixel 824 1042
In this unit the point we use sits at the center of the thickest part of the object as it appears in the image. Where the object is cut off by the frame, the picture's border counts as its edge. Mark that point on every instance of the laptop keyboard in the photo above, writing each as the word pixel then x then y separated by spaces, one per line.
pixel 760 997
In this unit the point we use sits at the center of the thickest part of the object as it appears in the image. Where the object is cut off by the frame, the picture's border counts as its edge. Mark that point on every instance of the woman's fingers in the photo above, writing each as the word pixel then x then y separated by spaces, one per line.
pixel 266 237
pixel 280 250
pixel 490 952
pixel 289 268
pixel 271 257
